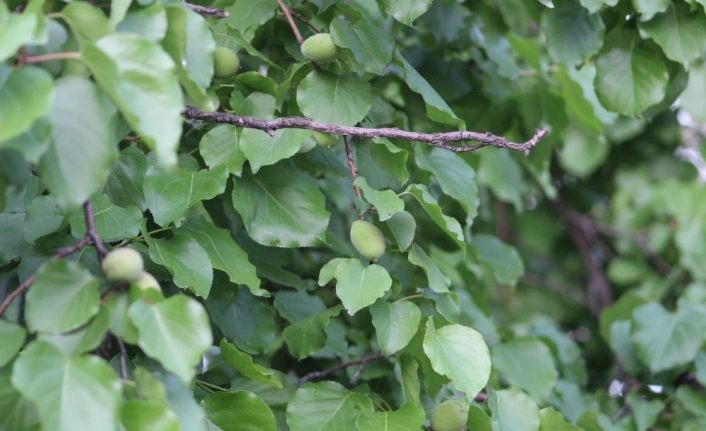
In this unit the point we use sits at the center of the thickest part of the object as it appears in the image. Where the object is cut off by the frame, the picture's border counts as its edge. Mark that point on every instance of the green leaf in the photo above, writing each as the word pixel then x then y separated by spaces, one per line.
pixel 140 78
pixel 503 259
pixel 409 417
pixel 149 21
pixel 448 224
pixel 437 109
pixel 406 11
pixel 358 287
pixel 438 282
pixel 403 226
pixel 25 96
pixel 690 100
pixel 386 202
pixel 13 337
pixel 242 317
pixel 679 31
pixel 124 185
pixel 175 332
pixel 63 297
pixel 243 363
pixel 239 411
pixel 88 22
pixel 33 143
pixel 644 412
pixel 343 100
pixel 83 340
pixel 459 353
pixel 30 27
pixel 44 216
pixel 502 175
pixel 296 305
pixel 368 40
pixel 246 16
pixel 573 34
pixel 527 364
pixel 221 146
pixel 281 206
pixel 326 406
pixel 81 392
pixel 552 420
pixel 395 324
pixel 666 340
pixel 261 149
pixel 19 413
pixel 112 222
pixel 648 8
pixel 630 78
pixel 185 259
pixel 513 410
pixel 169 193
pixel 147 415
pixel 190 43
pixel 308 336
pixel 83 151
pixel 456 177
pixel 224 253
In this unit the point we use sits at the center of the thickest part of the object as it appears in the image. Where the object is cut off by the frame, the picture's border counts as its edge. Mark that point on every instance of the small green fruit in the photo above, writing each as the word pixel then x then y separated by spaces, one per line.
pixel 146 288
pixel 367 239
pixel 225 62
pixel 123 264
pixel 319 48
pixel 451 415
pixel 325 140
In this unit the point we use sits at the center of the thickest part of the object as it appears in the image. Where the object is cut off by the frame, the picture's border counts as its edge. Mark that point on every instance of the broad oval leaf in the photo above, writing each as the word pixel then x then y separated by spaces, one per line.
pixel 573 34
pixel 63 297
pixel 409 417
pixel 140 78
pixel 358 286
pixel 343 100
pixel 326 406
pixel 395 324
pixel 513 410
pixel 25 96
pixel 185 259
pixel 459 353
pixel 13 337
pixel 281 206
pixel 679 31
pixel 175 332
pixel 239 411
pixel 528 365
pixel 71 393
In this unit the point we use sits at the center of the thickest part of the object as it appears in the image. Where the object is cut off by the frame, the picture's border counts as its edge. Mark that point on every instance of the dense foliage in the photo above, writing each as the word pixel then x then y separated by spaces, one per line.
pixel 560 288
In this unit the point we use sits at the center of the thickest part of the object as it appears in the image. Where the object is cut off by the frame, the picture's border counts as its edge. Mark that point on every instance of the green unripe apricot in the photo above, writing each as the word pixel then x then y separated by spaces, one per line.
pixel 123 264
pixel 225 62
pixel 319 47
pixel 367 239
pixel 451 415
pixel 146 288
pixel 325 140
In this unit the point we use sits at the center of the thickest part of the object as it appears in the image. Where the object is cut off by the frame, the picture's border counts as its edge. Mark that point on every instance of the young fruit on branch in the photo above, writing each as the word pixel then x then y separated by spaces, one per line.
pixel 367 239
pixel 225 62
pixel 319 48
pixel 123 264
pixel 451 415
pixel 146 288
pixel 325 140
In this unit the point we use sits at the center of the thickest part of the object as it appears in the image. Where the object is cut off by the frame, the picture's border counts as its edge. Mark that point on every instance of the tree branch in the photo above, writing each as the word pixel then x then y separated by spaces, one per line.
pixel 287 14
pixel 315 375
pixel 91 237
pixel 440 140
pixel 351 165
pixel 205 10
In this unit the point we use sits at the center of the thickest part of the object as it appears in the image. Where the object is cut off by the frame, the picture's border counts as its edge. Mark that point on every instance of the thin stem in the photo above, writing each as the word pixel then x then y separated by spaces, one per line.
pixel 71 55
pixel 315 375
pixel 305 21
pixel 441 139
pixel 211 385
pixel 290 20
pixel 204 10
pixel 123 359
pixel 407 298
pixel 352 166
pixel 92 232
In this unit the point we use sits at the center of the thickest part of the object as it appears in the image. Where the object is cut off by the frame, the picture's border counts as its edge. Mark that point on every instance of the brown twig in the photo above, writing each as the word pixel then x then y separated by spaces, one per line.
pixel 351 165
pixel 288 15
pixel 52 56
pixel 205 10
pixel 584 237
pixel 91 237
pixel 440 139
pixel 315 375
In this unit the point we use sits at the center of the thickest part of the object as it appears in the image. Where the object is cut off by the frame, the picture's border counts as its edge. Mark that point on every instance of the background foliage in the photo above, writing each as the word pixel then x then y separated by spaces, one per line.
pixel 560 290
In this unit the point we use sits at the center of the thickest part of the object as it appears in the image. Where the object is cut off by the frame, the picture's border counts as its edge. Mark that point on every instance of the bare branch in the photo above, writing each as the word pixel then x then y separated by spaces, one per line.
pixel 441 139
pixel 287 14
pixel 315 375
pixel 205 10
